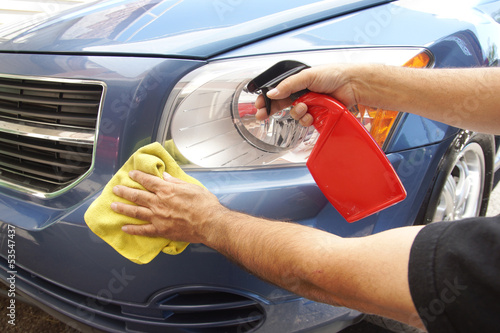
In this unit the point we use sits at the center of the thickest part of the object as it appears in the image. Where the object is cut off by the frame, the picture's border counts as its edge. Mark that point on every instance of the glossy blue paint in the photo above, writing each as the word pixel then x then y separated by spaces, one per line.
pixel 167 27
pixel 414 131
pixel 395 24
pixel 139 50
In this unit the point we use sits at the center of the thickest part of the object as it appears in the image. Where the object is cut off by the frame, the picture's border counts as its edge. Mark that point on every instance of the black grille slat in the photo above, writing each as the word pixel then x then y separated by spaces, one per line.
pixel 51 159
pixel 204 301
pixel 12 84
pixel 40 172
pixel 47 100
pixel 47 114
pixel 79 152
pixel 45 159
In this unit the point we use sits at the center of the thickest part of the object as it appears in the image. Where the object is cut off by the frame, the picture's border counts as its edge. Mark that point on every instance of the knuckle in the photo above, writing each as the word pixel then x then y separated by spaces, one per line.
pixel 135 212
pixel 133 196
pixel 149 183
pixel 286 86
pixel 144 230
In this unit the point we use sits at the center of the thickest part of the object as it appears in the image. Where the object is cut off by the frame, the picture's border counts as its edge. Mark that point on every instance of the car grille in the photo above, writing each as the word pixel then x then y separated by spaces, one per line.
pixel 190 309
pixel 47 131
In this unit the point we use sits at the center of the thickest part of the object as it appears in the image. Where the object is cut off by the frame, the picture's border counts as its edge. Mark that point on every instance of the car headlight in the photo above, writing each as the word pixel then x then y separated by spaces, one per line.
pixel 211 118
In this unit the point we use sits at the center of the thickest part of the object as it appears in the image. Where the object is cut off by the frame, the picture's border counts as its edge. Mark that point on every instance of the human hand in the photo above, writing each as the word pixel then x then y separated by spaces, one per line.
pixel 333 80
pixel 175 209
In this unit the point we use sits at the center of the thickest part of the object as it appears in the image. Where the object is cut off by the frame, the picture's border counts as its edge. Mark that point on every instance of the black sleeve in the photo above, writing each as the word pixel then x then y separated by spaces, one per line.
pixel 454 275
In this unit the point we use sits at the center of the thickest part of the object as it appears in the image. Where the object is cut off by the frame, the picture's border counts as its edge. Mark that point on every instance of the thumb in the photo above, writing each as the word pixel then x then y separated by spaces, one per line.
pixel 290 85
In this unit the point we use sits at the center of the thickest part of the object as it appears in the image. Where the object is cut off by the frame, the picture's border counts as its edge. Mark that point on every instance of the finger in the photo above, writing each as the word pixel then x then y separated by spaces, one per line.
pixel 171 179
pixel 137 212
pixel 150 182
pixel 141 230
pixel 298 111
pixel 140 197
pixel 261 114
pixel 276 106
pixel 307 120
pixel 294 83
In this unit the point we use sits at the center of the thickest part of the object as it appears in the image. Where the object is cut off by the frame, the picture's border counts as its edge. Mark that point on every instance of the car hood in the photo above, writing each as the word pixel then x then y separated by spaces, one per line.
pixel 181 28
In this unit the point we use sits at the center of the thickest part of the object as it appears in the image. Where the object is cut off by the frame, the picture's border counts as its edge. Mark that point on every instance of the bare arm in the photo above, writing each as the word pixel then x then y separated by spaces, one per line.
pixel 369 274
pixel 466 98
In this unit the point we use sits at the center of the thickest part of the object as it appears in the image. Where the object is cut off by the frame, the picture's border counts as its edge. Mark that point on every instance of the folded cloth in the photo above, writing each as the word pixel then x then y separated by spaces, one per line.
pixel 107 224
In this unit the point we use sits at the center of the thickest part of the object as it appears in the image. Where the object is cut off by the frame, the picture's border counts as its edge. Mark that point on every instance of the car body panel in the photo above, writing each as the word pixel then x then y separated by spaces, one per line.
pixel 401 23
pixel 63 264
pixel 155 27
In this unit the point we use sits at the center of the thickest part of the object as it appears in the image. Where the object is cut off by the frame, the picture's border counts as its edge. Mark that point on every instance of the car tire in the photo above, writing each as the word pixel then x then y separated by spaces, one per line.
pixel 462 185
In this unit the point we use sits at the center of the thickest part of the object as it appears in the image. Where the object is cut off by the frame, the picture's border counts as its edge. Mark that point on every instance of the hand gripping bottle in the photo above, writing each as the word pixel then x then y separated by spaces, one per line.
pixel 347 164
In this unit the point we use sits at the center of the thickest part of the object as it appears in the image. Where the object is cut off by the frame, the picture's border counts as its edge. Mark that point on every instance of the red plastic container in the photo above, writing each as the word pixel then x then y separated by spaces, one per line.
pixel 347 164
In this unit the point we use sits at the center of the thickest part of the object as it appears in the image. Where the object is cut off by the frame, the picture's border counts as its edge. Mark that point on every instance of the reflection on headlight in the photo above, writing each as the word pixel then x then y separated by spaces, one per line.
pixel 279 133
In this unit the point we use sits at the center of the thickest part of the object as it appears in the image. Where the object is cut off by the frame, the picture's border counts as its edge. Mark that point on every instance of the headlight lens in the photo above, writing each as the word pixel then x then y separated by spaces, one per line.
pixel 279 133
pixel 211 118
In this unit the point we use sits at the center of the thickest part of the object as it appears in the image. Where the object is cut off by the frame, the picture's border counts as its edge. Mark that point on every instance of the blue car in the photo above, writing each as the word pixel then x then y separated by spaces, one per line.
pixel 80 92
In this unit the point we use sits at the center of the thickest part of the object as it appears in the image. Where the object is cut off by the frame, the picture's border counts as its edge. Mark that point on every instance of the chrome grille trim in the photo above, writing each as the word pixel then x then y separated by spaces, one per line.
pixel 82 136
pixel 48 127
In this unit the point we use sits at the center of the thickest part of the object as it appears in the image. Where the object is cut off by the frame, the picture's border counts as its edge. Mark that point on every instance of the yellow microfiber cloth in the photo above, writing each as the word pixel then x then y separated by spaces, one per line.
pixel 107 224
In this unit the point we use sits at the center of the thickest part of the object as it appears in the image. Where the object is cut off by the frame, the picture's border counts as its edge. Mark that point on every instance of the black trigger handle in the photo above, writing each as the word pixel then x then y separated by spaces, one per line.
pixel 271 77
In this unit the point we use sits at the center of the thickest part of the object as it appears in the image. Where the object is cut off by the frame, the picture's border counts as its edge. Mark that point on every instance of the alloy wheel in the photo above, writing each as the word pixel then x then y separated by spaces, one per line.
pixel 461 195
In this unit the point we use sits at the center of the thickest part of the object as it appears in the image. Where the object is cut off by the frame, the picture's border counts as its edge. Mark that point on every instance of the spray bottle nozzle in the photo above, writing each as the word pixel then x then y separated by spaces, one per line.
pixel 273 76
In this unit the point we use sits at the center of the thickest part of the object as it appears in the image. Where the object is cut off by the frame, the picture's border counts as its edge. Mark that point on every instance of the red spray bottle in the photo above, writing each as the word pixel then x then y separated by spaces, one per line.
pixel 347 164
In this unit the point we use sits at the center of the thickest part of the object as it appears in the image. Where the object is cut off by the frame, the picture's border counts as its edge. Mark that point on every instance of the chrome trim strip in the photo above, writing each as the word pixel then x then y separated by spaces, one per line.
pixel 23 189
pixel 58 133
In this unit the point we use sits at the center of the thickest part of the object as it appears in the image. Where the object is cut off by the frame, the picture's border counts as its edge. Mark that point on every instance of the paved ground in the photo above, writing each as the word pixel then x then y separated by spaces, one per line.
pixel 30 319
pixel 494 206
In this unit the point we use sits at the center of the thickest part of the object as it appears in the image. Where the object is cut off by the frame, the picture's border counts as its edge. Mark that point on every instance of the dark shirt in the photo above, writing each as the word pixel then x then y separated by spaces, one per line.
pixel 454 275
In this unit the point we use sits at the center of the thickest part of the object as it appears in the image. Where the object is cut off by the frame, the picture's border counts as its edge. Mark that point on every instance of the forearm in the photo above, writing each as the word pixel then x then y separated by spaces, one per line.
pixel 368 274
pixel 465 98
pixel 285 254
